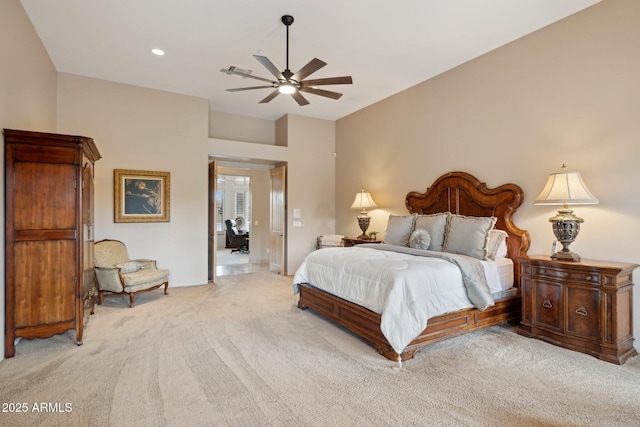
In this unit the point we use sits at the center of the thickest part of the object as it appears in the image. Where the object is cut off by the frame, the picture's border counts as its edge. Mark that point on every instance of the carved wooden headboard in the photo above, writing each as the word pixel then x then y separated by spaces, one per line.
pixel 463 194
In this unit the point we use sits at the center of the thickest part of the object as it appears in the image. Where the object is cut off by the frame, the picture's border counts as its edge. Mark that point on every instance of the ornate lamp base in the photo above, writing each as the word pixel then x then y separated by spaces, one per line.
pixel 566 227
pixel 363 222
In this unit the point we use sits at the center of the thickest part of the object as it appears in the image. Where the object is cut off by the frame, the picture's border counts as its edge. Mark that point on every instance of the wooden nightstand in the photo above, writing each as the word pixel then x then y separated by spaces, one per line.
pixel 352 241
pixel 584 306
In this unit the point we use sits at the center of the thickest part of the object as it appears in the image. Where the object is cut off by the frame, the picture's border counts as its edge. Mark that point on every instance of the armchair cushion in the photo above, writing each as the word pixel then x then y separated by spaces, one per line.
pixel 129 267
pixel 144 279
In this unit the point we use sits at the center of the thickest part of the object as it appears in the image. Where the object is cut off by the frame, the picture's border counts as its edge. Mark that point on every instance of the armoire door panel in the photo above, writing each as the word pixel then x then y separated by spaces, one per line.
pixel 45 282
pixel 40 190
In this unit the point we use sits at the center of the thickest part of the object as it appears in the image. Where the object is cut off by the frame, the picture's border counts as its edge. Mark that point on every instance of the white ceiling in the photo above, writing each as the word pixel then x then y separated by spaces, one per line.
pixel 386 46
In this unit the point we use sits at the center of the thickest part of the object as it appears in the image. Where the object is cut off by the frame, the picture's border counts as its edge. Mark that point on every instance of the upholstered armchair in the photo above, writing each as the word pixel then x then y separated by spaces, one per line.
pixel 118 274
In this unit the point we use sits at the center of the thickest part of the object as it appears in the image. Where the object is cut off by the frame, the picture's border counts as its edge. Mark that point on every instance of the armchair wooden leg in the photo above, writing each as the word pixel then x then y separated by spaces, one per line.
pixel 99 297
pixel 131 299
pixel 166 287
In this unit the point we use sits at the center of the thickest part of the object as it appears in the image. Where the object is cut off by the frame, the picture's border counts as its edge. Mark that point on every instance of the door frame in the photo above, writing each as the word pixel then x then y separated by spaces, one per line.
pixel 233 162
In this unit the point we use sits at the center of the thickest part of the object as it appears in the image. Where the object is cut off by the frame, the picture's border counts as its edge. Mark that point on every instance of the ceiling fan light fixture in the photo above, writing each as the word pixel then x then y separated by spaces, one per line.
pixel 287 88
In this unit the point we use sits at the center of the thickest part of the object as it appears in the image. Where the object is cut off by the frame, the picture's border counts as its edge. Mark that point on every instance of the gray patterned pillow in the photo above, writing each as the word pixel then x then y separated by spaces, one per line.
pixel 420 239
pixel 436 225
pixel 399 230
pixel 468 235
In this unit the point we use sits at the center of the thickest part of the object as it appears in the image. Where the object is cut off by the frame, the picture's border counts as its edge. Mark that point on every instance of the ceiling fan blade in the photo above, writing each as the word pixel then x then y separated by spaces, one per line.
pixel 238 89
pixel 321 92
pixel 269 66
pixel 270 97
pixel 301 100
pixel 346 80
pixel 231 70
pixel 312 66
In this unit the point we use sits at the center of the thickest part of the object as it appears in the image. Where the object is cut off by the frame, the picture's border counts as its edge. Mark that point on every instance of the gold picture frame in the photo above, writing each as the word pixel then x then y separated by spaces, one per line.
pixel 141 196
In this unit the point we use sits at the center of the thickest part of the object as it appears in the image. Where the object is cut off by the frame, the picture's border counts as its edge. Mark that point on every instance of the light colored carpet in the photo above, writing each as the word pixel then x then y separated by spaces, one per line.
pixel 239 353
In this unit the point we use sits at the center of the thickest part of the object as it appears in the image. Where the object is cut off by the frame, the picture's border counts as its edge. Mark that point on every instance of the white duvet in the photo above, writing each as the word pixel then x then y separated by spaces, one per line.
pixel 404 289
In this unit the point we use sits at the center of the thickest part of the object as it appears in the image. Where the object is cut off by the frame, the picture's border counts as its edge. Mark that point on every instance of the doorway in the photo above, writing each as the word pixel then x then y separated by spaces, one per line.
pixel 233 223
pixel 256 221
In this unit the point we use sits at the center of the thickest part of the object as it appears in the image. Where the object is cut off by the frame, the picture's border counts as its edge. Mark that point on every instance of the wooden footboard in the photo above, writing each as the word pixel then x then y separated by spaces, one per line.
pixel 366 323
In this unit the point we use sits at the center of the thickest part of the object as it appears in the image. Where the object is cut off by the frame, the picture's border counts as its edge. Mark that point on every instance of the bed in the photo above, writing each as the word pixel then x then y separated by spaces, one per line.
pixel 456 194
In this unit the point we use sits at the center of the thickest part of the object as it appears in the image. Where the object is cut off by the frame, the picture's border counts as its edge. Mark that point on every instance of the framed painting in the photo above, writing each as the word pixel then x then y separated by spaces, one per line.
pixel 141 196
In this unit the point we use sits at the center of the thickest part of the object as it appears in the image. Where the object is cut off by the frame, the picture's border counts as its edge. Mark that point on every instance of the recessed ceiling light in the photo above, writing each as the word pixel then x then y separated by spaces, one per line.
pixel 157 51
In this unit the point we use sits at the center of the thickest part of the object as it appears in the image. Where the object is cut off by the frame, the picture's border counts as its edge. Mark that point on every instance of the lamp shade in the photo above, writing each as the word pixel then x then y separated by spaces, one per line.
pixel 565 188
pixel 363 201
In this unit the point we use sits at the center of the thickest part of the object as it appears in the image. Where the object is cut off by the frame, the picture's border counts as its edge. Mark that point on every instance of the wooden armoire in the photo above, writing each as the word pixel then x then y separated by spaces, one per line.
pixel 50 284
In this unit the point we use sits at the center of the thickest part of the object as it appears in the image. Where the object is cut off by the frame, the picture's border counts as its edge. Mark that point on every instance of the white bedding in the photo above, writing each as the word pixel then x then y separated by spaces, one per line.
pixel 404 289
pixel 499 274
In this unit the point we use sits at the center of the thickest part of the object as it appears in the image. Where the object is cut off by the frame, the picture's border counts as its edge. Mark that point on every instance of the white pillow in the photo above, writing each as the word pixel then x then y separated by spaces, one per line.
pixel 420 239
pixel 497 247
pixel 128 267
pixel 399 230
pixel 436 225
pixel 468 235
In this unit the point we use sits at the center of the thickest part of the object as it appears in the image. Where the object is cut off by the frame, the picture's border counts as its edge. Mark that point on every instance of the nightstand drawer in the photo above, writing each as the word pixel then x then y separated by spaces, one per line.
pixel 591 278
pixel 564 274
pixel 549 272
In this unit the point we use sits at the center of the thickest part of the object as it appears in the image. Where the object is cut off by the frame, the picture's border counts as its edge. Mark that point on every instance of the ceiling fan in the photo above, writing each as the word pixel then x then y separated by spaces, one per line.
pixel 291 83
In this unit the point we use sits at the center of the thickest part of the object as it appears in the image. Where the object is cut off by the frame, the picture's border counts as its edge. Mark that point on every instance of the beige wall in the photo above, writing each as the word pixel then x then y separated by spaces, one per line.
pixel 568 93
pixel 27 93
pixel 310 184
pixel 27 75
pixel 241 128
pixel 151 130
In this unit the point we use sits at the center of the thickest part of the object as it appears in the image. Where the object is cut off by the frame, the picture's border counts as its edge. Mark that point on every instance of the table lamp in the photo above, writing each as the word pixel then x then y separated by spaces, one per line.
pixel 363 201
pixel 565 188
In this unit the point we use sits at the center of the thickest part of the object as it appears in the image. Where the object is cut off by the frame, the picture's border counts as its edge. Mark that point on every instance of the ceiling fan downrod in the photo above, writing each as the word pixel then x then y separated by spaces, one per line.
pixel 287 20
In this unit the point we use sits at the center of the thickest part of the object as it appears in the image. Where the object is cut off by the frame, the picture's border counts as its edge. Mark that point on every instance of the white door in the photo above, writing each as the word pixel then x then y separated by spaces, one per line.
pixel 212 227
pixel 277 247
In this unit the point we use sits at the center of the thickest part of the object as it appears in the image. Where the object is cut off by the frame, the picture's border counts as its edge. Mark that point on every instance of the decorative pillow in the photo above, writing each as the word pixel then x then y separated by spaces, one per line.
pixel 420 239
pixel 399 230
pixel 468 235
pixel 497 247
pixel 436 225
pixel 128 267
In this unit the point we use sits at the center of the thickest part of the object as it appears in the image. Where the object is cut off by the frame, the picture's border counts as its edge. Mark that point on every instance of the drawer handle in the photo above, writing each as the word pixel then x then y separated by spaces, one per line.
pixel 582 311
pixel 547 304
